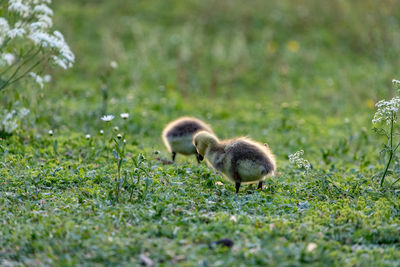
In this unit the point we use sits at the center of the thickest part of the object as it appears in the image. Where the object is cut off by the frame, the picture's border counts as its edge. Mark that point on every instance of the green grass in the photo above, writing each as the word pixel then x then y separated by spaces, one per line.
pixel 236 66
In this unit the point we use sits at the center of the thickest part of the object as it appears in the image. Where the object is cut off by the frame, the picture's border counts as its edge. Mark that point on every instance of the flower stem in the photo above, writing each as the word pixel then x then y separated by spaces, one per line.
pixel 391 151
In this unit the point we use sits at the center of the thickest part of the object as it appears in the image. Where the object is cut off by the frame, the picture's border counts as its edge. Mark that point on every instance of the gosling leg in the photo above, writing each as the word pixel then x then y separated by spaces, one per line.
pixel 173 156
pixel 237 182
pixel 259 185
pixel 199 158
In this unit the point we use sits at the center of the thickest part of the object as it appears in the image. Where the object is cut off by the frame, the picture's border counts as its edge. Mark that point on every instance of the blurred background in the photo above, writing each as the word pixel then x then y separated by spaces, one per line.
pixel 290 73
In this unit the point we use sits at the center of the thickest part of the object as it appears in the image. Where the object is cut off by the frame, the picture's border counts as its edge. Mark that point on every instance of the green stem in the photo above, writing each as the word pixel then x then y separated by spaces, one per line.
pixel 26 72
pixel 390 151
pixel 395 182
pixel 10 81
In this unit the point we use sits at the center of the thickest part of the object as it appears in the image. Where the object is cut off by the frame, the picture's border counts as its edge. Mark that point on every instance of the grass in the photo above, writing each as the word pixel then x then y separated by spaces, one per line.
pixel 302 76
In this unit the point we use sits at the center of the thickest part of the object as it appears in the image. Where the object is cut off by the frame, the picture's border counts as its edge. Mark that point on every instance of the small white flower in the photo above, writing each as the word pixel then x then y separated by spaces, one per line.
pixel 107 118
pixel 37 78
pixel 119 136
pixel 124 141
pixel 397 82
pixel 311 247
pixel 115 129
pixel 43 9
pixel 23 112
pixel 87 136
pixel 18 7
pixel 124 115
pixel 101 132
pixel 51 132
pixel 47 78
pixel 8 58
pixel 113 64
pixel 16 32
pixel 298 160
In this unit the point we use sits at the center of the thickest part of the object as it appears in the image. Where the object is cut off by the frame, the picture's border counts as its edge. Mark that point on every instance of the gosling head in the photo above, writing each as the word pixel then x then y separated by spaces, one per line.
pixel 202 140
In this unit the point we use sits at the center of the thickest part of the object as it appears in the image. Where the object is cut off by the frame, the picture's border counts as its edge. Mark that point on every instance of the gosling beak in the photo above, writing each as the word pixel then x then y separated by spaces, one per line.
pixel 201 157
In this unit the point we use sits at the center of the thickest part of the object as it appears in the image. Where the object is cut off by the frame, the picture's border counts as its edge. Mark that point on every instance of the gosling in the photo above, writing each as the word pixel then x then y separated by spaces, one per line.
pixel 178 136
pixel 240 160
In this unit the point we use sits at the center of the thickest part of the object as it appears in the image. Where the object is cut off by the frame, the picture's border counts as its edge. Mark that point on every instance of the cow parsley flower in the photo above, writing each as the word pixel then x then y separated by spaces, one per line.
pixel 16 32
pixel 20 8
pixel 386 110
pixel 396 82
pixel 38 79
pixel 28 24
pixel 107 118
pixel 297 159
pixel 8 58
pixel 43 9
pixel 4 28
pixel 47 78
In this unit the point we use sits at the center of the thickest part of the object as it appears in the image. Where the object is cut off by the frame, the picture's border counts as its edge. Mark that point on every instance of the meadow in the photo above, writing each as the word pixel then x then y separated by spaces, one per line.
pixel 298 75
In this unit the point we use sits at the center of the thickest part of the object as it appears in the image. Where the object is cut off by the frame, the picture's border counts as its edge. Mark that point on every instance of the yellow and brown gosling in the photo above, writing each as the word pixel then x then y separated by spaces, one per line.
pixel 178 136
pixel 241 160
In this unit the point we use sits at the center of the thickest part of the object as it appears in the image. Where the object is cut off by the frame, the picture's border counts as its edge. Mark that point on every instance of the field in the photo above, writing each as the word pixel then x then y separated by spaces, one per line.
pixel 298 75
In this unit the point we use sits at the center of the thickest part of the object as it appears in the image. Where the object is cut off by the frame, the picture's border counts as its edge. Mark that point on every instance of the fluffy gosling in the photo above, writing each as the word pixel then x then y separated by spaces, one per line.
pixel 178 136
pixel 241 160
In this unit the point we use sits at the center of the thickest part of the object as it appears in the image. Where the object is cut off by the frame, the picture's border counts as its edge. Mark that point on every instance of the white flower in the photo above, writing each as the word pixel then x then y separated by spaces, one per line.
pixel 9 122
pixel 23 112
pixel 87 136
pixel 394 81
pixel 37 78
pixel 43 9
pixel 16 32
pixel 101 132
pixel 386 110
pixel 298 160
pixel 51 132
pixel 113 64
pixel 124 115
pixel 47 78
pixel 4 28
pixel 119 136
pixel 46 20
pixel 18 7
pixel 107 118
pixel 8 58
pixel 311 247
pixel 57 42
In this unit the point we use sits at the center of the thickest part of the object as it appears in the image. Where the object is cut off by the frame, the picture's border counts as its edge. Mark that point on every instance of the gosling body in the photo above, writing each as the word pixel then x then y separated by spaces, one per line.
pixel 240 160
pixel 178 136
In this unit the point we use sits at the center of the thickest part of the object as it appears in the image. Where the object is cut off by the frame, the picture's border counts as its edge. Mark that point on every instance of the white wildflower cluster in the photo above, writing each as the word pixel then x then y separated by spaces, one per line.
pixel 29 22
pixel 396 82
pixel 297 159
pixel 386 110
pixel 10 120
